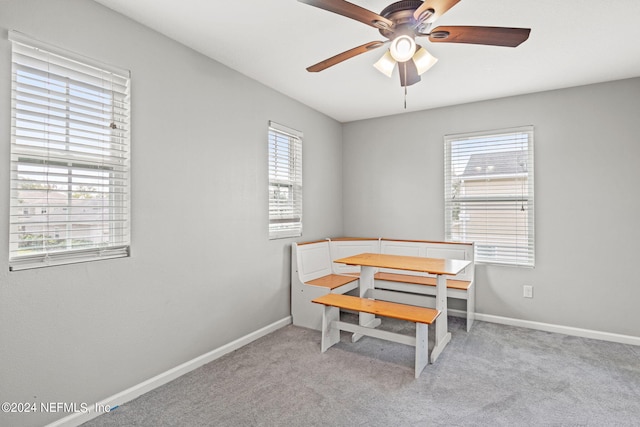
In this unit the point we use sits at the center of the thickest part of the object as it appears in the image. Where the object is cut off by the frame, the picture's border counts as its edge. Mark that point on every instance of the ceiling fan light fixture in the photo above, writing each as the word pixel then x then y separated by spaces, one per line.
pixel 402 48
pixel 386 64
pixel 424 60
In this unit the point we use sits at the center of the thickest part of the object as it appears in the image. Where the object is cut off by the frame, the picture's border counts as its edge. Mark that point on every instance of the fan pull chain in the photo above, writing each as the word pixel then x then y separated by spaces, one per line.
pixel 405 97
pixel 405 86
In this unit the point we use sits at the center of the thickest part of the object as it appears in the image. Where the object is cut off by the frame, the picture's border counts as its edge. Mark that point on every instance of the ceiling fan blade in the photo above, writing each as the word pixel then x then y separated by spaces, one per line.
pixel 493 36
pixel 439 7
pixel 344 56
pixel 352 11
pixel 408 73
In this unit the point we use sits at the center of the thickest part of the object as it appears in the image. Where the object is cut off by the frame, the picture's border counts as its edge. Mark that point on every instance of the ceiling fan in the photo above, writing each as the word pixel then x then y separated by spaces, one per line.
pixel 401 23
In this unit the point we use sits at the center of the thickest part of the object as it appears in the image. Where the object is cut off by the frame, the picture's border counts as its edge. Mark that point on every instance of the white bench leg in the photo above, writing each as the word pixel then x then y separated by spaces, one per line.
pixel 422 347
pixel 330 333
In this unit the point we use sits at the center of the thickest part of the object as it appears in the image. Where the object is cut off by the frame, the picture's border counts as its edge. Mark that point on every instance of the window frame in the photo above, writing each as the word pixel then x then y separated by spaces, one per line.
pixel 284 173
pixel 504 191
pixel 70 157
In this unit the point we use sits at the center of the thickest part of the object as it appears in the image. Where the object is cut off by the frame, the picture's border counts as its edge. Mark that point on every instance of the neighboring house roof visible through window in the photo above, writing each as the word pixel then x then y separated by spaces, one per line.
pixel 504 163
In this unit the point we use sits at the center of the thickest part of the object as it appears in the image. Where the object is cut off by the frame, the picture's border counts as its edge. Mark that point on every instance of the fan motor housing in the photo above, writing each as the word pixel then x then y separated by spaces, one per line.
pixel 401 13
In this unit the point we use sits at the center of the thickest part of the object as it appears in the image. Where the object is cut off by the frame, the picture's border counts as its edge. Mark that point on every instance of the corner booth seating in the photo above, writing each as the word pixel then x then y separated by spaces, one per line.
pixel 314 274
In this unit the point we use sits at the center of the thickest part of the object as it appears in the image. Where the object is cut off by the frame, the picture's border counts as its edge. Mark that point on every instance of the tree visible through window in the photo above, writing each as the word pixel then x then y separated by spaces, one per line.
pixel 285 182
pixel 69 158
pixel 489 194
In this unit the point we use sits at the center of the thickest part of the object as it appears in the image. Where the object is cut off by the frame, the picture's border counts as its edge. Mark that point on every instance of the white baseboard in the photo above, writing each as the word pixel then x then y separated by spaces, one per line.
pixel 456 313
pixel 548 327
pixel 165 377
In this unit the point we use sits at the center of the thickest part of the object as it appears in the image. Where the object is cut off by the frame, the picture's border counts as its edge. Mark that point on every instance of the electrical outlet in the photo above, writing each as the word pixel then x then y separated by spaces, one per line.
pixel 527 291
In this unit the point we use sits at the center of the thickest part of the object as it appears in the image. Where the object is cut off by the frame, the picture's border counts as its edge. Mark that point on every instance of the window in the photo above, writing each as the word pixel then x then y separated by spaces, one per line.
pixel 489 194
pixel 285 182
pixel 69 157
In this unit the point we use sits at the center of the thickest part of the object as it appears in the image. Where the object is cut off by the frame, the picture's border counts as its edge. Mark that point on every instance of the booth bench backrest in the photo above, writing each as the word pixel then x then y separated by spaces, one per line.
pixel 313 260
pixel 344 247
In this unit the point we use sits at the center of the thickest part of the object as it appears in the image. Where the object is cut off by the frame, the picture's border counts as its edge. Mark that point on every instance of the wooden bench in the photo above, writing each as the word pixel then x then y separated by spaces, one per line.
pixel 421 316
pixel 312 276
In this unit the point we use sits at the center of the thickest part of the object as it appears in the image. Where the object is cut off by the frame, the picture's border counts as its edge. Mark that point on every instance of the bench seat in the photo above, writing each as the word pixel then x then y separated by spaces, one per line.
pixel 332 281
pixel 393 310
pixel 421 316
pixel 463 285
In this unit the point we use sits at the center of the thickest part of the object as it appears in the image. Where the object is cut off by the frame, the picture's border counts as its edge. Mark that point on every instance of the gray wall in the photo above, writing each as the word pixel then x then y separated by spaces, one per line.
pixel 587 157
pixel 202 272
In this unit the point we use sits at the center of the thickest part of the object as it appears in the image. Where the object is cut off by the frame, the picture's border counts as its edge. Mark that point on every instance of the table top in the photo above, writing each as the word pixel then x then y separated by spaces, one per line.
pixel 410 263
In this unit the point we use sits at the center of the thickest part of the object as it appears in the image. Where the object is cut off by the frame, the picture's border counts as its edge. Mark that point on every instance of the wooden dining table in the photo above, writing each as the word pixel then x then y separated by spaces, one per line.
pixel 440 267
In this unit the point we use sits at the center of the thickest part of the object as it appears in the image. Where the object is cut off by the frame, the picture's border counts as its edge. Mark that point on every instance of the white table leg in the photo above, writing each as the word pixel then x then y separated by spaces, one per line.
pixel 442 335
pixel 366 283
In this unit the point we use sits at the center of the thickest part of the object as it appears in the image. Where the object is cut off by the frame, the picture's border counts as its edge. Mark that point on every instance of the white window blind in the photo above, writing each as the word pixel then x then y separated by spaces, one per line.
pixel 285 182
pixel 69 157
pixel 489 194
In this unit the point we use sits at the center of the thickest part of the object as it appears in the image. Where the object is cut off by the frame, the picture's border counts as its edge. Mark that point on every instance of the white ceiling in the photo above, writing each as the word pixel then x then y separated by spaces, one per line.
pixel 572 42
